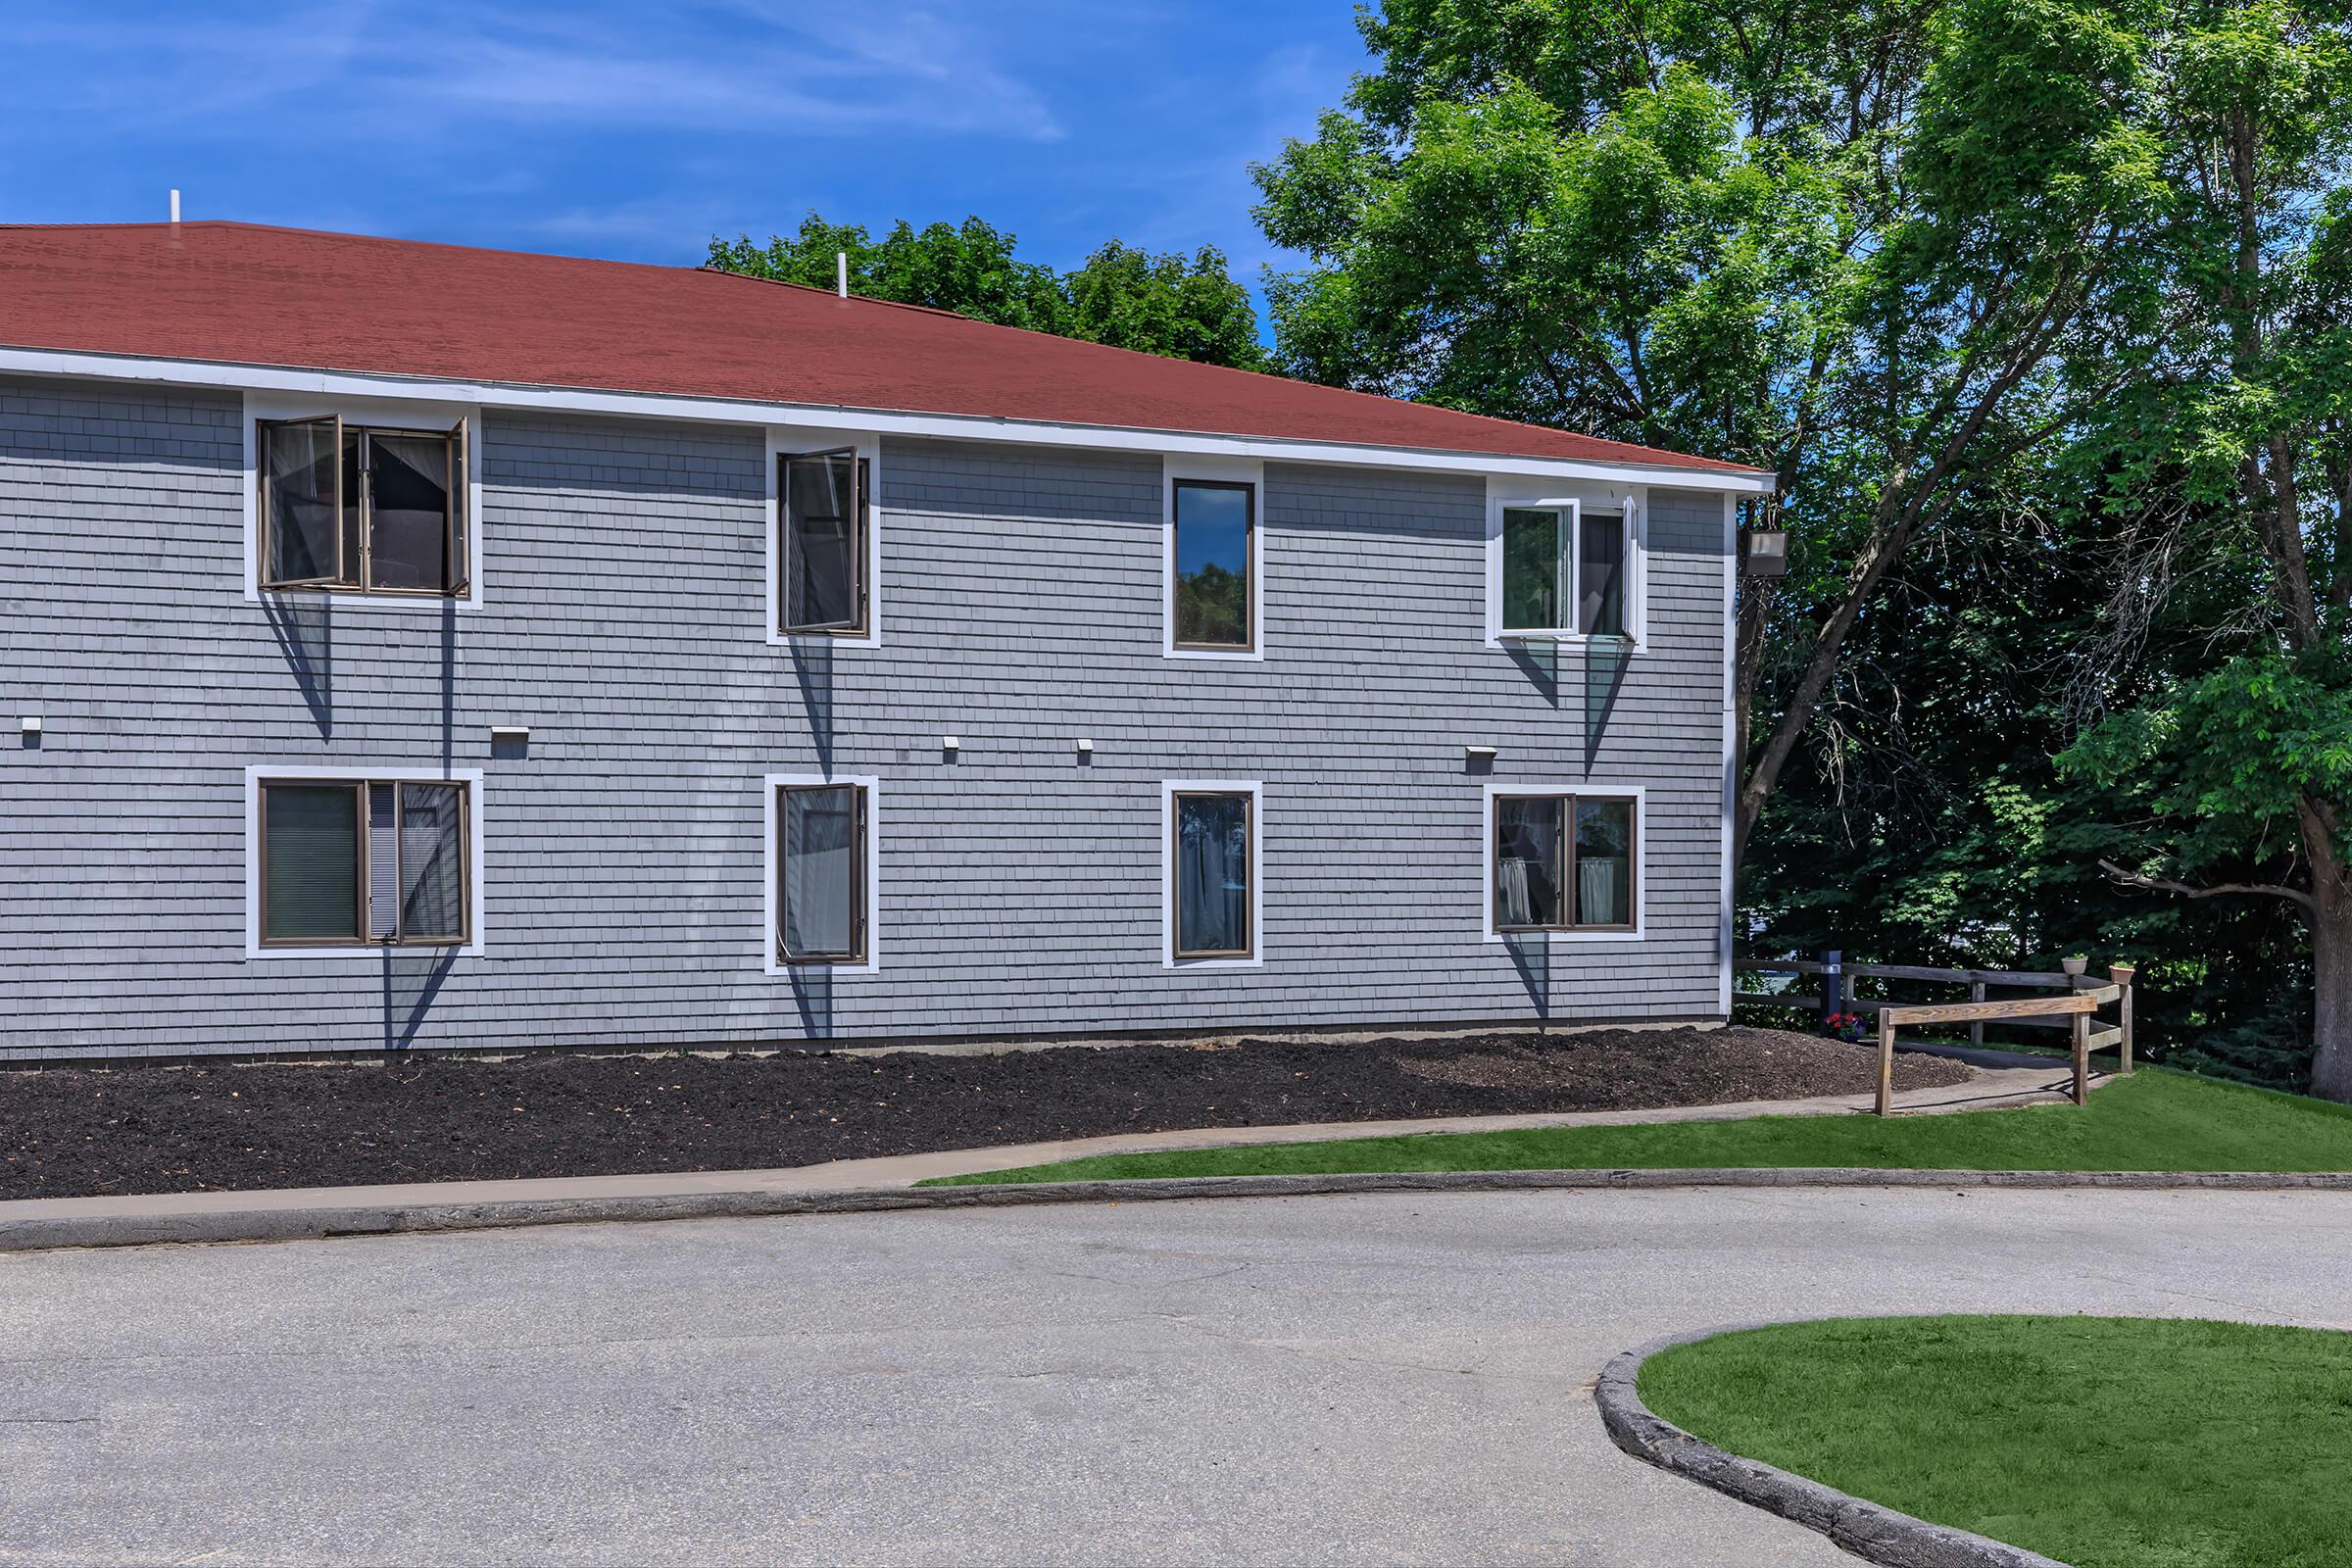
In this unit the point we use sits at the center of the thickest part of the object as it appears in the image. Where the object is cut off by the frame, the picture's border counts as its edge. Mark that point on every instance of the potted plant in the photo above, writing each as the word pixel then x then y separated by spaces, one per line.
pixel 1843 1026
pixel 2076 964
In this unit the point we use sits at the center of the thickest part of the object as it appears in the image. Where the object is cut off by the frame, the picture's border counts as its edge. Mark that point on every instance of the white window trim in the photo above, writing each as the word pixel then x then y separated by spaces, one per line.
pixel 1633 504
pixel 1169 788
pixel 295 770
pixel 1214 470
pixel 1485 854
pixel 384 413
pixel 783 441
pixel 773 963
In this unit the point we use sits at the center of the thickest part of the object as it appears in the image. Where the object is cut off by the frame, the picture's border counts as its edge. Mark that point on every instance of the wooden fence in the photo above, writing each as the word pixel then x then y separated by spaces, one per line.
pixel 2076 1011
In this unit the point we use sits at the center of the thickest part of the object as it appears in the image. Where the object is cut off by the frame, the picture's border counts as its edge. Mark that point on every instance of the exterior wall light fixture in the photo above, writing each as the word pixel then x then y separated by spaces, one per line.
pixel 1764 553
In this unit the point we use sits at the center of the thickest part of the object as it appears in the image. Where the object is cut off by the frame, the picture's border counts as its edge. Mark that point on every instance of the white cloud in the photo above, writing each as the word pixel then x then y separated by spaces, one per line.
pixel 441 70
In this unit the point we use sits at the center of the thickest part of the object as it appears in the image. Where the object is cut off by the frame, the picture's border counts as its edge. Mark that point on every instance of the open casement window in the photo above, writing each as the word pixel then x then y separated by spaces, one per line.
pixel 1565 573
pixel 1211 858
pixel 364 510
pixel 301 503
pixel 1212 592
pixel 820 873
pixel 459 576
pixel 821 506
pixel 348 864
pixel 1564 862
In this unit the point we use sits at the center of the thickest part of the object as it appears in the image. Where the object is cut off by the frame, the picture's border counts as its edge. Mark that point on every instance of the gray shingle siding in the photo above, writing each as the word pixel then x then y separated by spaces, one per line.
pixel 623 621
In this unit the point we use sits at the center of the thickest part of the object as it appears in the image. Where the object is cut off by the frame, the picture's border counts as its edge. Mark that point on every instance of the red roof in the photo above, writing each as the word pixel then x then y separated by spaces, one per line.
pixel 246 294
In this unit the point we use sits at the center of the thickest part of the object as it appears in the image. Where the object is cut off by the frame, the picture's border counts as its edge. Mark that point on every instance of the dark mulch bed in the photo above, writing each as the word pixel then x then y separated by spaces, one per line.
pixel 74 1131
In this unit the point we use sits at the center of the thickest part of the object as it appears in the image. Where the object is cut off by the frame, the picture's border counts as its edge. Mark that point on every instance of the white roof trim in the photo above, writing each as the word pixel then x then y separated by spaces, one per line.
pixel 952 427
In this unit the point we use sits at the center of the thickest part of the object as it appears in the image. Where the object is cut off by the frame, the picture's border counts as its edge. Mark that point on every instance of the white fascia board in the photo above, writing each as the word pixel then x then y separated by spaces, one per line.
pixel 231 377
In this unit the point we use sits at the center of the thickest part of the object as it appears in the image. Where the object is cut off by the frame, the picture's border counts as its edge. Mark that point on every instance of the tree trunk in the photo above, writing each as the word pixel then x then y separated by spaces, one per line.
pixel 2331 997
pixel 2330 950
pixel 1877 553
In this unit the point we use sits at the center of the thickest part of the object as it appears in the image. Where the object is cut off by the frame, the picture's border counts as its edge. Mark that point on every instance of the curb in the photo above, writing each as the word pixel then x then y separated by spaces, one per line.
pixel 266 1222
pixel 1873 1532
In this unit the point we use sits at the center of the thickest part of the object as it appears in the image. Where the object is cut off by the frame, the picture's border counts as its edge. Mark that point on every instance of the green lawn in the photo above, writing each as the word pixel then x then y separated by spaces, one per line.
pixel 2153 1120
pixel 2104 1442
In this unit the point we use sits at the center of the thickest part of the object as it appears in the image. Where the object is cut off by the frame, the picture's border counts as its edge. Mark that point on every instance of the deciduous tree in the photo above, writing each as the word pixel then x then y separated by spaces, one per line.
pixel 1187 309
pixel 1884 250
pixel 2248 437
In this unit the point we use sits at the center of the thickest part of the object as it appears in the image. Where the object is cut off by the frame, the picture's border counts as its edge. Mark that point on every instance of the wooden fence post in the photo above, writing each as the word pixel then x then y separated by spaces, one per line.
pixel 1976 1029
pixel 2120 974
pixel 1885 1061
pixel 1833 982
pixel 2081 1058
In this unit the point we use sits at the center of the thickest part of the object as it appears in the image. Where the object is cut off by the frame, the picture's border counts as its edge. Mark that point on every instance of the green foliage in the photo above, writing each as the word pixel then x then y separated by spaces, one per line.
pixel 1163 304
pixel 1643 278
pixel 2271 1047
pixel 1122 296
pixel 2153 1120
pixel 2228 753
pixel 2107 1443
pixel 1815 238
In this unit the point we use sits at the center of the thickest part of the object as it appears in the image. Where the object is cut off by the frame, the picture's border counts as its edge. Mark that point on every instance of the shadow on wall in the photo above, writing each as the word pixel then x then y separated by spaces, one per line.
pixel 813 668
pixel 1539 661
pixel 812 995
pixel 412 979
pixel 1530 955
pixel 449 683
pixel 1605 665
pixel 304 626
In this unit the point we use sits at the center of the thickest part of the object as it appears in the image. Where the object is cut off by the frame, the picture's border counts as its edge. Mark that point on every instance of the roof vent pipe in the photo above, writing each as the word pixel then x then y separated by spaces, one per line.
pixel 175 207
pixel 840 259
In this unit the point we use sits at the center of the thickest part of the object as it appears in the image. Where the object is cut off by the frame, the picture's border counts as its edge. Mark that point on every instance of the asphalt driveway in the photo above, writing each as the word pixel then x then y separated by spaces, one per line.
pixel 1376 1379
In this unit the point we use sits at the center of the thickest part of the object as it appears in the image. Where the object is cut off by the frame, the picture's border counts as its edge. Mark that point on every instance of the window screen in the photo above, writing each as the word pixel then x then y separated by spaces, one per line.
pixel 822 499
pixel 1211 852
pixel 820 833
pixel 433 863
pixel 1605 862
pixel 1212 601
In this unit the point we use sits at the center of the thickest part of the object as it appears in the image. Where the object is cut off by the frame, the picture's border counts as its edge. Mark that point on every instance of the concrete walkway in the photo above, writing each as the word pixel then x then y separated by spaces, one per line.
pixel 1991 1088
pixel 1354 1381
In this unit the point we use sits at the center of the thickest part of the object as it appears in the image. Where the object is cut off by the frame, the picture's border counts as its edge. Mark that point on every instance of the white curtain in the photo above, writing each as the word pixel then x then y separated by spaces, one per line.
pixel 1600 890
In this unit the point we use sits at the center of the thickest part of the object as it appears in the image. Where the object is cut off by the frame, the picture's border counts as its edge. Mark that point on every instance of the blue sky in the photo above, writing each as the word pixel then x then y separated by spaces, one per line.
pixel 638 131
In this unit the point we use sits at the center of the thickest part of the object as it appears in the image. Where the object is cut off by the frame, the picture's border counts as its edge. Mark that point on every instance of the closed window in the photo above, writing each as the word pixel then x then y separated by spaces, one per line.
pixel 821 502
pixel 1212 599
pixel 1564 572
pixel 348 862
pixel 820 873
pixel 1563 863
pixel 360 510
pixel 1212 864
